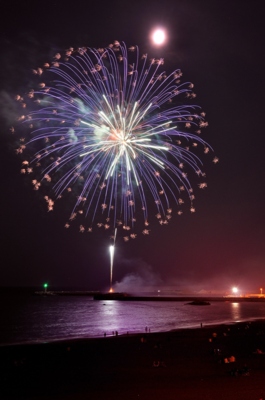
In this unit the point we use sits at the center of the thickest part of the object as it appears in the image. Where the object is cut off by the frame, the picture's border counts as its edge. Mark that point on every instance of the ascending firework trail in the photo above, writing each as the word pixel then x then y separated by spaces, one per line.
pixel 111 249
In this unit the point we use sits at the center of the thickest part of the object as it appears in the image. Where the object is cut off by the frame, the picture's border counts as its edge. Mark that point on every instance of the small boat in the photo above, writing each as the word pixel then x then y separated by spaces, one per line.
pixel 199 303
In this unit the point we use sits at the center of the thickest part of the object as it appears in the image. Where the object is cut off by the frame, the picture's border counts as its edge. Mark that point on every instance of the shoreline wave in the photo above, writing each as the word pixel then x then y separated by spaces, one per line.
pixel 76 339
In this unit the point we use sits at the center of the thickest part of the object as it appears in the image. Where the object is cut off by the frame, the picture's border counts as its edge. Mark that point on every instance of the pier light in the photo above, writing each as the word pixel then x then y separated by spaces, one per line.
pixel 235 290
pixel 45 285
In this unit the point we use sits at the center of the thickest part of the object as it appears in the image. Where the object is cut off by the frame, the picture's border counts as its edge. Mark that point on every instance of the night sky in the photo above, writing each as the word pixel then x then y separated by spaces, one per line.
pixel 219 46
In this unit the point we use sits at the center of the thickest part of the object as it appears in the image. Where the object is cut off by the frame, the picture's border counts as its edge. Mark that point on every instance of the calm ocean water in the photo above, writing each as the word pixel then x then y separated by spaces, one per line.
pixel 47 318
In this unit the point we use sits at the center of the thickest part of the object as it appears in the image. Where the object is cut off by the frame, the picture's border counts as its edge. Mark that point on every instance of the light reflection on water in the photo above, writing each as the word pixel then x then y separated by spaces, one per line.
pixel 236 311
pixel 57 317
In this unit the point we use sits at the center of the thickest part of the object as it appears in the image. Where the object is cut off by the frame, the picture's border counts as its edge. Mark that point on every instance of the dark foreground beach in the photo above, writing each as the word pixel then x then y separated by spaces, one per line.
pixel 221 362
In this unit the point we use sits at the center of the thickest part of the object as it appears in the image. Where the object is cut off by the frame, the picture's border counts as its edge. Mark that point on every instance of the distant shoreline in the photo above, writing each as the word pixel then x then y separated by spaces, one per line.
pixel 124 297
pixel 128 297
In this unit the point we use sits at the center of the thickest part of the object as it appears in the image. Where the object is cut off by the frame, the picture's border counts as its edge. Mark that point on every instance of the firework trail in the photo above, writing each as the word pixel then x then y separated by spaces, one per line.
pixel 109 129
pixel 112 249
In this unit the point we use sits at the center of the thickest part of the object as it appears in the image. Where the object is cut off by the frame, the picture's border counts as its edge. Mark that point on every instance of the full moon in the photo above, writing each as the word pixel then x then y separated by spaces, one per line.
pixel 159 36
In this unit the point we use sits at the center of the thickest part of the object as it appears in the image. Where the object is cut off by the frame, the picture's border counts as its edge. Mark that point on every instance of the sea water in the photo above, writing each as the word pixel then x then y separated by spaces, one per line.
pixel 29 319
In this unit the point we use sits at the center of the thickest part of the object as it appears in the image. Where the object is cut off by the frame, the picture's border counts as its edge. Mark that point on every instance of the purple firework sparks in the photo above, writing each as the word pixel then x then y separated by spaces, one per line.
pixel 109 126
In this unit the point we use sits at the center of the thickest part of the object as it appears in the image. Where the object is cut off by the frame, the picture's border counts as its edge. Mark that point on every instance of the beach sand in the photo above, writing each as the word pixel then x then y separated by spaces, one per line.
pixel 192 366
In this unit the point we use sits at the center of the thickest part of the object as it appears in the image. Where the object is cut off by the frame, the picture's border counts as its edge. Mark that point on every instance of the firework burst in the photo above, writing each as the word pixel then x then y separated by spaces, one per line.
pixel 112 129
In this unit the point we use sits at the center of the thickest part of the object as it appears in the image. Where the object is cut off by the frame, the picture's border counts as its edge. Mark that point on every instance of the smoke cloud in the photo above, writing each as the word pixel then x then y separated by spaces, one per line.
pixel 142 278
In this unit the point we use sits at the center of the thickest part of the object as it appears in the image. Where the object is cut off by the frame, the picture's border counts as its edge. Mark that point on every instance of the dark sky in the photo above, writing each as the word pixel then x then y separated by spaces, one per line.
pixel 219 46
